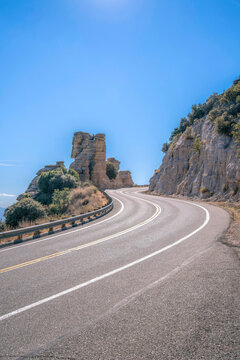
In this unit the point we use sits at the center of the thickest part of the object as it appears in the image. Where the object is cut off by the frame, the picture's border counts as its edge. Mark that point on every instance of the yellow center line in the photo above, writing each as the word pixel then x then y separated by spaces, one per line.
pixel 47 257
pixel 64 252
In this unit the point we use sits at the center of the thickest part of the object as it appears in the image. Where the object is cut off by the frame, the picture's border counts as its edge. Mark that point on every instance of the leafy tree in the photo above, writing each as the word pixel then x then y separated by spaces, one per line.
pixel 111 171
pixel 59 181
pixel 56 179
pixel 26 209
pixel 183 124
pixel 44 179
pixel 165 147
pixel 174 133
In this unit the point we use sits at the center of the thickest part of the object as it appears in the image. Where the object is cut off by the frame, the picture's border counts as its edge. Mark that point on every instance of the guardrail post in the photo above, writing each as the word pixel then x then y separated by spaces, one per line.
pixel 18 240
pixel 64 227
pixel 36 234
pixel 50 230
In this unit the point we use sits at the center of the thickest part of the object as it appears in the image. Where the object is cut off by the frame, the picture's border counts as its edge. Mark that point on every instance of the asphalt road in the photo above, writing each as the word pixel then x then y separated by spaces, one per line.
pixel 150 280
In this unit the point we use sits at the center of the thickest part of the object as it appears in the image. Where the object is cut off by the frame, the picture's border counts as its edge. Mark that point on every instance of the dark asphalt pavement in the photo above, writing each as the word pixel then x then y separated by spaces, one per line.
pixel 150 280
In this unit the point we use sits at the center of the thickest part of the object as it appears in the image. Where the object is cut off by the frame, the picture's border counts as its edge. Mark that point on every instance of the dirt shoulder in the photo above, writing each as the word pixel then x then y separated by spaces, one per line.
pixel 232 237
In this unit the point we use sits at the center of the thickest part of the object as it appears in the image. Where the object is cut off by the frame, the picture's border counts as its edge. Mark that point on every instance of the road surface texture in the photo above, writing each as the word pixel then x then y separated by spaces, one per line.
pixel 150 280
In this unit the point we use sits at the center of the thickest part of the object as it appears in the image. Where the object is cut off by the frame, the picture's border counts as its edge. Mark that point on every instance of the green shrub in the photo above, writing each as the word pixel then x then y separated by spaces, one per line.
pixel 197 145
pixel 60 201
pixel 24 210
pixel 204 190
pixel 43 198
pixel 236 131
pixel 224 124
pixel 231 94
pixel 174 133
pixel 74 173
pixel 56 179
pixel 60 182
pixel 165 147
pixel 1 225
pixel 111 171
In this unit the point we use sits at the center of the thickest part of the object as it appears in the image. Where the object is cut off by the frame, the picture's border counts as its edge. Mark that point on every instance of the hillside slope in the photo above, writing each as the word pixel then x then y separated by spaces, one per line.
pixel 202 159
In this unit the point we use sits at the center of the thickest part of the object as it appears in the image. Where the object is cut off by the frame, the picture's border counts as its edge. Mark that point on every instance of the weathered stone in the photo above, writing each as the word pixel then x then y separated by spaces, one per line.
pixel 212 172
pixel 115 162
pixel 89 153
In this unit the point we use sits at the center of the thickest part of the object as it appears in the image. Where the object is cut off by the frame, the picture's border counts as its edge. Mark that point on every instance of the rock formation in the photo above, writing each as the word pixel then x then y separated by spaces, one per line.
pixel 89 153
pixel 33 186
pixel 203 160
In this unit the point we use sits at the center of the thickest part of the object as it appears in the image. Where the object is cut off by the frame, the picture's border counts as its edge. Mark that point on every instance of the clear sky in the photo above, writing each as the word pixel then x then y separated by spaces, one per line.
pixel 127 68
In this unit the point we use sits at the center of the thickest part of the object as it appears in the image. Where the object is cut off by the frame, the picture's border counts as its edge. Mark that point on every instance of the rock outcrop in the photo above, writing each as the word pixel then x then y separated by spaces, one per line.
pixel 89 152
pixel 203 160
pixel 33 186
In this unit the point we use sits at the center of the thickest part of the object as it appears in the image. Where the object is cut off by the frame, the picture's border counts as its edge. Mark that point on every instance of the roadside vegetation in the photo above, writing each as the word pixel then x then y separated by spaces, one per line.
pixel 223 110
pixel 61 194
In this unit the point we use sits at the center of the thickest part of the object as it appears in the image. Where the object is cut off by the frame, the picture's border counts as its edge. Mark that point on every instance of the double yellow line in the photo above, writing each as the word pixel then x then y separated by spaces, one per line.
pixel 95 242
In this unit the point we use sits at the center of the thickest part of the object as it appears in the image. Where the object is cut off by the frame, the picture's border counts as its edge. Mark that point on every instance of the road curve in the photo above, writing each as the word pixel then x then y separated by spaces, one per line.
pixel 150 280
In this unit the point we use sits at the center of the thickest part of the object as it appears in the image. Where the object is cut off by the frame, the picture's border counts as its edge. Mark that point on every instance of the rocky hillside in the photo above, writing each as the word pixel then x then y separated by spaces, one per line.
pixel 202 158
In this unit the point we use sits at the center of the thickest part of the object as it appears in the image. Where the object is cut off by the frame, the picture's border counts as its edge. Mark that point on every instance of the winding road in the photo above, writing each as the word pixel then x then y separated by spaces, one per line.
pixel 150 280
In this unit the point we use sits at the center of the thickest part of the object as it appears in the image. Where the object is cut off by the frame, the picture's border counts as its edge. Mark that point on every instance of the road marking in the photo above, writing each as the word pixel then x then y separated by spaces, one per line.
pixel 69 232
pixel 83 246
pixel 110 273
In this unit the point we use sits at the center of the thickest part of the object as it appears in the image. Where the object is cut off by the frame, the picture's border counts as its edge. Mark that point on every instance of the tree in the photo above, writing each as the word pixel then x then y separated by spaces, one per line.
pixel 56 179
pixel 165 147
pixel 111 171
pixel 26 209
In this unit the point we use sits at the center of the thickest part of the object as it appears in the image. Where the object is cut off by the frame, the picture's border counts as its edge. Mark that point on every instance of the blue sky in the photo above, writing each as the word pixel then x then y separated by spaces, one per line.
pixel 128 68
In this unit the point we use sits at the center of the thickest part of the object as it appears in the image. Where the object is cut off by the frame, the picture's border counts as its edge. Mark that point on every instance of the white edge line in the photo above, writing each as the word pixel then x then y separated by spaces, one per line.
pixel 66 233
pixel 110 273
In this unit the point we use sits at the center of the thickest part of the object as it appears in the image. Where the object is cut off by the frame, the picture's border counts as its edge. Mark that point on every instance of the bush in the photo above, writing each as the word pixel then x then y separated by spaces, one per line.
pixel 60 182
pixel 236 131
pixel 224 124
pixel 74 173
pixel 56 179
pixel 165 147
pixel 1 225
pixel 111 171
pixel 60 201
pixel 197 145
pixel 198 111
pixel 204 190
pixel 24 210
pixel 174 133
pixel 44 199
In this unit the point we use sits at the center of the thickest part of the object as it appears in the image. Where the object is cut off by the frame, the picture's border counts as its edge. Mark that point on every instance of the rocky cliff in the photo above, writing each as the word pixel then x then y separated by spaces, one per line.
pixel 89 152
pixel 202 158
pixel 90 162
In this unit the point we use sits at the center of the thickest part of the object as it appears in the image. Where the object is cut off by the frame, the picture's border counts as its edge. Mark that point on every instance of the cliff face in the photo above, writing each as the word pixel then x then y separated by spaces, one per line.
pixel 89 153
pixel 203 160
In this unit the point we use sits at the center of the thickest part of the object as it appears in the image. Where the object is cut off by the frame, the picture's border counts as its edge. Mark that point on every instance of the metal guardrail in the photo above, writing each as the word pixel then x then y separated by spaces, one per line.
pixel 36 229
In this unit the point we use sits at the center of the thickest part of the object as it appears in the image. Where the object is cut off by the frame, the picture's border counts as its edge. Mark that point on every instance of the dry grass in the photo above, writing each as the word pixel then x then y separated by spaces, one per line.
pixel 86 199
pixel 82 200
